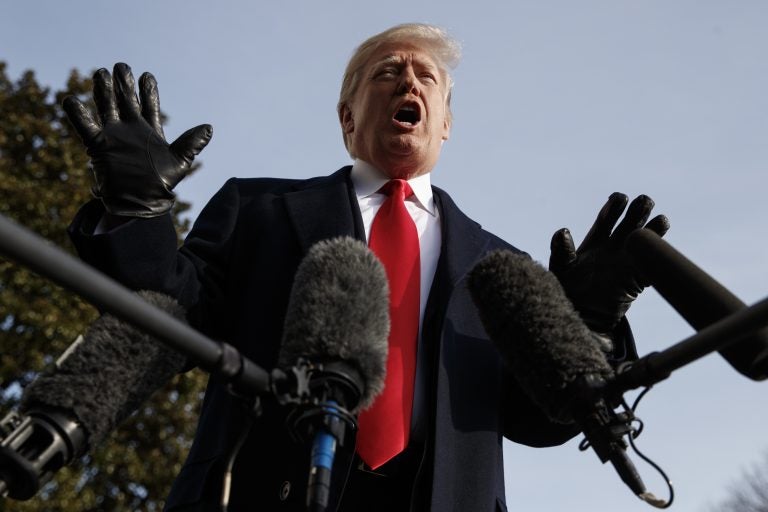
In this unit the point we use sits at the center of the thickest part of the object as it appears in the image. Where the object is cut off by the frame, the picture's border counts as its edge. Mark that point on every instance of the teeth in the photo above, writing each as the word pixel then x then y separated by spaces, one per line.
pixel 409 108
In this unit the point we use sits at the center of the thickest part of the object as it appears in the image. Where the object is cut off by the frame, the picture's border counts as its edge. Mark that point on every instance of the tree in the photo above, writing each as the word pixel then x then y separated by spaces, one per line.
pixel 44 179
pixel 750 493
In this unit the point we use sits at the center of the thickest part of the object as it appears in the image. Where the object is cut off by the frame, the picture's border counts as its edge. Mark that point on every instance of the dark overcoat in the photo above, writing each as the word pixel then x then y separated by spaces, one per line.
pixel 234 275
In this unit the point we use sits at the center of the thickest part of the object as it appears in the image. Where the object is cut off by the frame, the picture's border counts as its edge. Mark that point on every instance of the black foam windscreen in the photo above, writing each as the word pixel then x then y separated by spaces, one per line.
pixel 536 328
pixel 338 311
pixel 698 297
pixel 109 374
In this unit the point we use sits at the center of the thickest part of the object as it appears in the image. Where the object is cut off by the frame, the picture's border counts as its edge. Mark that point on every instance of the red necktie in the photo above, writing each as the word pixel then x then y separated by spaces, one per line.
pixel 385 426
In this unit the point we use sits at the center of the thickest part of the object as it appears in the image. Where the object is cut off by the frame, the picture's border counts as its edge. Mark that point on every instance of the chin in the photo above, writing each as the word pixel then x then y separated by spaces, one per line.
pixel 404 145
pixel 405 158
pixel 406 169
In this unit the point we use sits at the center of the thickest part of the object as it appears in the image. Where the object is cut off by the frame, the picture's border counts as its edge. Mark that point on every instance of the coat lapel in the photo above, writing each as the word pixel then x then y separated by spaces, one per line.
pixel 323 209
pixel 463 427
pixel 464 242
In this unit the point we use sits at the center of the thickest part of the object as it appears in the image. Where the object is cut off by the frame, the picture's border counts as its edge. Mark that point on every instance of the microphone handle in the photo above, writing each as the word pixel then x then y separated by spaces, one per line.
pixel 336 387
pixel 604 428
pixel 322 456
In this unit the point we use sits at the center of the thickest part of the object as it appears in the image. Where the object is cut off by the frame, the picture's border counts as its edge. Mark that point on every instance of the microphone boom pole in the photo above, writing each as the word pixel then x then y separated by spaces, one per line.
pixel 722 334
pixel 43 257
pixel 698 297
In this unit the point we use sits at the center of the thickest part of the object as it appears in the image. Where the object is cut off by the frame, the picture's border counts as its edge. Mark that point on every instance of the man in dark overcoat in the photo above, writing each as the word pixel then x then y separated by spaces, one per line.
pixel 235 270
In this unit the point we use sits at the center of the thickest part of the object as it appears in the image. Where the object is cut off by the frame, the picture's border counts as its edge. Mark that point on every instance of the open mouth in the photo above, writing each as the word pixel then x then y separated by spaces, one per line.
pixel 408 115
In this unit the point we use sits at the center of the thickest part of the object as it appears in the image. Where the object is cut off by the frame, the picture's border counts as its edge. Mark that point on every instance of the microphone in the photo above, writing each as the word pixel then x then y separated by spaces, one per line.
pixel 698 297
pixel 337 323
pixel 553 355
pixel 97 383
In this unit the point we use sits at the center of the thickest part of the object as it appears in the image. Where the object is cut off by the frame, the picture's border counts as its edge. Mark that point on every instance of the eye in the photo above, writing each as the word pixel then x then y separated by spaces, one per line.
pixel 386 72
pixel 429 77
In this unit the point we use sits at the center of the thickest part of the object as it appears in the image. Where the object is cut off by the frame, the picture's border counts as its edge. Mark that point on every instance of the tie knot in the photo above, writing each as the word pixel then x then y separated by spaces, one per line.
pixel 397 188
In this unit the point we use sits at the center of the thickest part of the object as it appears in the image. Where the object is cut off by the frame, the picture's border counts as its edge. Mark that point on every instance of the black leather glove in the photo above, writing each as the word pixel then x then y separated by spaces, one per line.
pixel 599 277
pixel 135 169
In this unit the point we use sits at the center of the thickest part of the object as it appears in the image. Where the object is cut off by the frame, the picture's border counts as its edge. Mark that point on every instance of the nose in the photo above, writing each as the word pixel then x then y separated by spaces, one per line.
pixel 408 82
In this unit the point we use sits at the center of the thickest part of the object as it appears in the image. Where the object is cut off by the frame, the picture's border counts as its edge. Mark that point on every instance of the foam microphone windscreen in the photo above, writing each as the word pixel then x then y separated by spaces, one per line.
pixel 536 328
pixel 338 311
pixel 109 374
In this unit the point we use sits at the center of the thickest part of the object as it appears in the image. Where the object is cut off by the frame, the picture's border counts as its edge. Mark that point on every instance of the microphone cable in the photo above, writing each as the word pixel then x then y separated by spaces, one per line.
pixel 632 434
pixel 253 412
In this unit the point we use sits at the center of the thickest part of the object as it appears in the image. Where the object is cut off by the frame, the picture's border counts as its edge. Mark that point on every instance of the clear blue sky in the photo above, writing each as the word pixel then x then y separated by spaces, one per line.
pixel 557 104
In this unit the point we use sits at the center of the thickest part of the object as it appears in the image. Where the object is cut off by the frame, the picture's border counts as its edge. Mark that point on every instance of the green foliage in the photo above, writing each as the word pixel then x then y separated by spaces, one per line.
pixel 44 179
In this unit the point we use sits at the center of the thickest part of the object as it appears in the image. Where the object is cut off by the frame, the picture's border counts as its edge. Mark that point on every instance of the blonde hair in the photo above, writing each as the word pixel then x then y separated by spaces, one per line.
pixel 444 49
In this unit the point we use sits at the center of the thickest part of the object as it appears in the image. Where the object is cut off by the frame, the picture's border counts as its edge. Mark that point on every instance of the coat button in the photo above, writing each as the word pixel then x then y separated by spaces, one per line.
pixel 285 490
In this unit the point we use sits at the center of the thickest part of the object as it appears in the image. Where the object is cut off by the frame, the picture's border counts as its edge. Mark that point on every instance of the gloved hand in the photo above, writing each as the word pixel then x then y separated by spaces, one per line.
pixel 135 169
pixel 598 277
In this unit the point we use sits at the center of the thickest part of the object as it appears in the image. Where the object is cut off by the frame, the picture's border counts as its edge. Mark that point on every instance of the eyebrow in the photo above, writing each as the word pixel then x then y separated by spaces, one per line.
pixel 389 59
pixel 399 59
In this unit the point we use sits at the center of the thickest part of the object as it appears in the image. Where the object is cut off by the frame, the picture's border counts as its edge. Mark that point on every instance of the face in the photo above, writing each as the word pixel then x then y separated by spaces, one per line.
pixel 397 119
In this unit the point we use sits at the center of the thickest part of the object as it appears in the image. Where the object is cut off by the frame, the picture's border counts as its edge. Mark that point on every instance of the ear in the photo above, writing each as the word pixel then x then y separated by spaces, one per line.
pixel 446 128
pixel 345 117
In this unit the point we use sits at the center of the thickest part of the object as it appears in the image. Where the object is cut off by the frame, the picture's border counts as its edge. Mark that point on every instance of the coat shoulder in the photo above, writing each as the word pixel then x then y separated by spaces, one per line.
pixel 467 225
pixel 250 187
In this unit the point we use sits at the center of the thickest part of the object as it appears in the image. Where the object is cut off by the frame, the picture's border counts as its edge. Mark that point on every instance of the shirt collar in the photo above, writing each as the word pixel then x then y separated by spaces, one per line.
pixel 367 181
